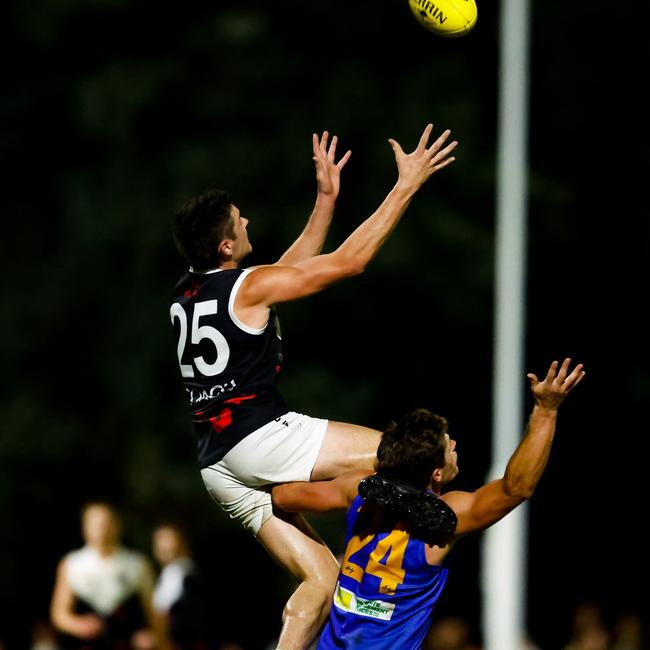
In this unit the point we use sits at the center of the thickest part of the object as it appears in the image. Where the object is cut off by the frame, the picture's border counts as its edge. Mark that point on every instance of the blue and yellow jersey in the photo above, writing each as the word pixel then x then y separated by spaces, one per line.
pixel 385 593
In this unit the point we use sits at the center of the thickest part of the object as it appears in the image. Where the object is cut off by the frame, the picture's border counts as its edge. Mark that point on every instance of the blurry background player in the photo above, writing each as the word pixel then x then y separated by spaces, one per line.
pixel 102 593
pixel 390 580
pixel 229 354
pixel 178 596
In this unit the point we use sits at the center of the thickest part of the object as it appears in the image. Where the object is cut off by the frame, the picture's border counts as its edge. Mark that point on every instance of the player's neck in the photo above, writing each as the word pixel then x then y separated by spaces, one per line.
pixel 106 550
pixel 435 487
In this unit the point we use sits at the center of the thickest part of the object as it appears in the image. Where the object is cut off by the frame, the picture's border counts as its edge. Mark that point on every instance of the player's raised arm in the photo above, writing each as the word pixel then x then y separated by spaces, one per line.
pixel 273 284
pixel 328 181
pixel 487 505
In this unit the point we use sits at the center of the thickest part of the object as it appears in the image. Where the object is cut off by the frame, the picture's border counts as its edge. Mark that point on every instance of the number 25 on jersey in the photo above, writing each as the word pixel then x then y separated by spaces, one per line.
pixel 199 333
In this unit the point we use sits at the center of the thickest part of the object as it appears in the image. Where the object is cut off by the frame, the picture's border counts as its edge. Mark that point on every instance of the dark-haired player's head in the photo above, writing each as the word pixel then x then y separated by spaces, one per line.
pixel 209 230
pixel 416 449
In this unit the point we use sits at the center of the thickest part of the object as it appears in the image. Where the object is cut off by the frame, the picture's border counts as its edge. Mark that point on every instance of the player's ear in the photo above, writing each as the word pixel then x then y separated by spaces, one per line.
pixel 225 248
pixel 437 475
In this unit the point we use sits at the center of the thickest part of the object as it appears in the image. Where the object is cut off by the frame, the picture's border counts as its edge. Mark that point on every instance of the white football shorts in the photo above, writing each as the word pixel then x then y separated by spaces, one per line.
pixel 281 451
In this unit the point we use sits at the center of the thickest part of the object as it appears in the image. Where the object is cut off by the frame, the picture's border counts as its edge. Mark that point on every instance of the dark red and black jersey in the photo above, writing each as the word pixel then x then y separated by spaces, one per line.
pixel 230 370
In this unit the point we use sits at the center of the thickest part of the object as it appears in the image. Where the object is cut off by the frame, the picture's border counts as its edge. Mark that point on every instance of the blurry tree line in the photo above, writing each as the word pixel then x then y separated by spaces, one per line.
pixel 114 112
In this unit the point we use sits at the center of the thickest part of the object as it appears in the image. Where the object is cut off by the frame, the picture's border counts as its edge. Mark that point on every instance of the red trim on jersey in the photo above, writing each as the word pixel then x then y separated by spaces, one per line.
pixel 221 421
pixel 190 293
pixel 240 399
pixel 224 419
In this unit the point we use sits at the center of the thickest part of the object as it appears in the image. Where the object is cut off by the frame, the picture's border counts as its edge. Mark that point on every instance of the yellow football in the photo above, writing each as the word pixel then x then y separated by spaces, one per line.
pixel 449 18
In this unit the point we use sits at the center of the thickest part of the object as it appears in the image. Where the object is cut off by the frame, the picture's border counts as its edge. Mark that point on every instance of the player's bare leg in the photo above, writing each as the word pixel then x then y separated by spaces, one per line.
pixel 346 447
pixel 296 547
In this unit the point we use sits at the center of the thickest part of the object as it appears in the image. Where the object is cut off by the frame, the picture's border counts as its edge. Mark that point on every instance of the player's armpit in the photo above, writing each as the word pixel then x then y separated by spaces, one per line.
pixel 478 510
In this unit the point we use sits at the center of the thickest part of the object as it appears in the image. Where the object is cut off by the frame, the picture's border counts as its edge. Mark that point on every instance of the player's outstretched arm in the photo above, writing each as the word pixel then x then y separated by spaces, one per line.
pixel 414 169
pixel 328 182
pixel 487 505
pixel 317 496
pixel 272 284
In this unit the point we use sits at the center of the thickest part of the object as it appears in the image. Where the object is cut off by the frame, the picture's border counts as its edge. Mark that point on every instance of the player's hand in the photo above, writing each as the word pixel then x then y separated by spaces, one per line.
pixel 551 391
pixel 416 167
pixel 89 626
pixel 145 639
pixel 328 172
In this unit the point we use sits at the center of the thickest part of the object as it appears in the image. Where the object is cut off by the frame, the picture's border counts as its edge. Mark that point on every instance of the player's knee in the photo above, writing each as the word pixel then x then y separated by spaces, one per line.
pixel 325 587
pixel 311 601
pixel 326 580
pixel 320 578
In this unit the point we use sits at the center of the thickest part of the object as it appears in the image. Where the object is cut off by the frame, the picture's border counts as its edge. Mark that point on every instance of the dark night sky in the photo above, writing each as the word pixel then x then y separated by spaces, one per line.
pixel 115 111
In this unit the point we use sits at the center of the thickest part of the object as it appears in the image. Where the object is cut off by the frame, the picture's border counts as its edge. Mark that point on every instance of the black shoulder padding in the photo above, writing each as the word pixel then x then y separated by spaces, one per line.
pixel 427 516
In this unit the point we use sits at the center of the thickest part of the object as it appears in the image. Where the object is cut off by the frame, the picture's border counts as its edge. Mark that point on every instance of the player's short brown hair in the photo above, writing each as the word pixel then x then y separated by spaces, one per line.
pixel 200 225
pixel 412 447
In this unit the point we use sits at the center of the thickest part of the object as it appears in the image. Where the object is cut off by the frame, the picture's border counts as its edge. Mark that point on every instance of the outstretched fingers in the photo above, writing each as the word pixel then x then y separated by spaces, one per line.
pixel 397 147
pixel 323 142
pixel 424 138
pixel 533 378
pixel 559 375
pixel 444 136
pixel 346 157
pixel 575 377
pixel 332 149
pixel 442 158
pixel 322 150
pixel 319 145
